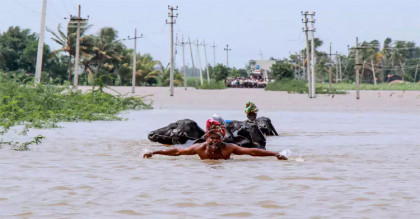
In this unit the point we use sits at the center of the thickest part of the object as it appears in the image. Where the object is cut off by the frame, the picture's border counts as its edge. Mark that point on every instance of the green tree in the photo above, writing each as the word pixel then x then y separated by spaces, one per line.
pixel 220 72
pixel 178 77
pixel 282 69
pixel 106 53
pixel 124 68
pixel 13 43
pixel 55 70
pixel 146 71
pixel 234 73
pixel 243 72
pixel 67 41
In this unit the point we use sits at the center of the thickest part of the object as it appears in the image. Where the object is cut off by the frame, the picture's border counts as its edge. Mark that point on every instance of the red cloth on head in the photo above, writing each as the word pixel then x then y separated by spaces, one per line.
pixel 213 126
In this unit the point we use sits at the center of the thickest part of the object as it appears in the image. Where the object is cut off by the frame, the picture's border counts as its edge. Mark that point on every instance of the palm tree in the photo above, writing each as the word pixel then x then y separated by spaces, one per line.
pixel 166 71
pixel 105 53
pixel 145 69
pixel 124 68
pixel 67 41
pixel 369 57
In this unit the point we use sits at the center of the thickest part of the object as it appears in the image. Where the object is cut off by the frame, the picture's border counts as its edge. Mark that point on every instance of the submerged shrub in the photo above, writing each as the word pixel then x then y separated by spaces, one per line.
pixel 43 106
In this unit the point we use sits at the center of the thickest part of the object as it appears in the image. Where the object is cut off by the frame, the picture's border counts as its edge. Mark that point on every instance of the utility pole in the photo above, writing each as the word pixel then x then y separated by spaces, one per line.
pixel 338 72
pixel 308 59
pixel 313 61
pixel 172 22
pixel 373 71
pixel 176 50
pixel 183 63
pixel 77 20
pixel 214 54
pixel 303 63
pixel 227 54
pixel 336 67
pixel 330 72
pixel 357 67
pixel 261 55
pixel 207 66
pixel 133 80
pixel 339 67
pixel 192 62
pixel 415 74
pixel 40 44
pixel 199 63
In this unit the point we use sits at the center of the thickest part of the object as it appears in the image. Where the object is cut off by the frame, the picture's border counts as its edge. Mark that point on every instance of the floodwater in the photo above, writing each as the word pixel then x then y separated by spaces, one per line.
pixel 341 165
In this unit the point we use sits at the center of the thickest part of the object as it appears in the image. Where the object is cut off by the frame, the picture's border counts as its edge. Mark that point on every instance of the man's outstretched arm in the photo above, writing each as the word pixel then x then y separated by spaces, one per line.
pixel 173 152
pixel 256 152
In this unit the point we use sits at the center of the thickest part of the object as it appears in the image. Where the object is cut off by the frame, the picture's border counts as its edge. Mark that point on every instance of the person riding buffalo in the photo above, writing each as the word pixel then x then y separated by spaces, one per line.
pixel 213 148
pixel 251 112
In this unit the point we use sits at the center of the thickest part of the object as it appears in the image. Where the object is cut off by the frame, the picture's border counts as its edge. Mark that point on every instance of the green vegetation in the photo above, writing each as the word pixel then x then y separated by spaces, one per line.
pixel 43 106
pixel 282 69
pixel 300 87
pixel 381 86
pixel 213 85
pixel 289 85
pixel 219 72
pixel 379 63
pixel 102 56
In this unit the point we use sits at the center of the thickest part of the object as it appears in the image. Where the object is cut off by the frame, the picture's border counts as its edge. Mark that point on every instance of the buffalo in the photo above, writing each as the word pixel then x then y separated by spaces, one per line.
pixel 243 133
pixel 178 132
pixel 266 126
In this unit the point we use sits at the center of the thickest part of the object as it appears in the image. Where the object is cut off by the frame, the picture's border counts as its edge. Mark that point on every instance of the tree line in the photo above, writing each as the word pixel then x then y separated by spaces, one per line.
pixel 378 62
pixel 103 59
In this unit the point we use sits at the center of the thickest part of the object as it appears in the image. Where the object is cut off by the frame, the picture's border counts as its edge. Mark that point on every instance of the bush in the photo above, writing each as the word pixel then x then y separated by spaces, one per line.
pixel 43 106
pixel 213 85
pixel 289 85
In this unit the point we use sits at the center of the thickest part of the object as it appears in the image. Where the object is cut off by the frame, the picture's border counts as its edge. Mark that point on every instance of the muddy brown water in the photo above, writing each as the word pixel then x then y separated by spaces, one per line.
pixel 342 164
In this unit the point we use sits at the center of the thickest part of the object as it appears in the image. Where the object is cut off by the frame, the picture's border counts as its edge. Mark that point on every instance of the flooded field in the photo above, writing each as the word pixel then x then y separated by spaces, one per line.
pixel 342 164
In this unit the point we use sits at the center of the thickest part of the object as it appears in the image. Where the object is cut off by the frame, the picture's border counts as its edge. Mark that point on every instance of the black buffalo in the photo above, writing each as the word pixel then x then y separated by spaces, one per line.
pixel 266 126
pixel 243 133
pixel 178 132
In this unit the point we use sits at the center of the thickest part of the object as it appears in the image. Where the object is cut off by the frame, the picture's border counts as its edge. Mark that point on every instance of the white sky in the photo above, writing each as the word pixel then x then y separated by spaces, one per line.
pixel 248 26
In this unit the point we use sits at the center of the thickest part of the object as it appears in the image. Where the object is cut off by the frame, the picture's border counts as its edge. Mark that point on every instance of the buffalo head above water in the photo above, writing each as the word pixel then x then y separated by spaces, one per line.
pixel 266 126
pixel 178 132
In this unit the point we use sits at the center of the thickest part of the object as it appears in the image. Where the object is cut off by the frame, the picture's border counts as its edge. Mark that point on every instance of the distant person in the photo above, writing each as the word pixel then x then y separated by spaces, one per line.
pixel 251 112
pixel 213 148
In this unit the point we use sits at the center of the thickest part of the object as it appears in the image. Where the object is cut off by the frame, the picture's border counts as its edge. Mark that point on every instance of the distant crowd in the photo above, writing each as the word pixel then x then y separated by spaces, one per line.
pixel 246 82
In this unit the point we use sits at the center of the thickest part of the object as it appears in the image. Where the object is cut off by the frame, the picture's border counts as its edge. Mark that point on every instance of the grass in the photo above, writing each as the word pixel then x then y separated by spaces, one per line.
pixel 381 86
pixel 291 86
pixel 295 86
pixel 43 106
pixel 213 85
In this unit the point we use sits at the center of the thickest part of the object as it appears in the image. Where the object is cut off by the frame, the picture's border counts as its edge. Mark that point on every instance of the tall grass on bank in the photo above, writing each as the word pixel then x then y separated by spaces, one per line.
pixel 295 86
pixel 213 85
pixel 43 106
pixel 291 86
pixel 381 86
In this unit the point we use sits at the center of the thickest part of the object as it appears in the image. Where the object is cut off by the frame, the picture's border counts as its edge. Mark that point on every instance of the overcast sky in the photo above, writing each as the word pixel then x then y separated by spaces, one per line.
pixel 273 27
